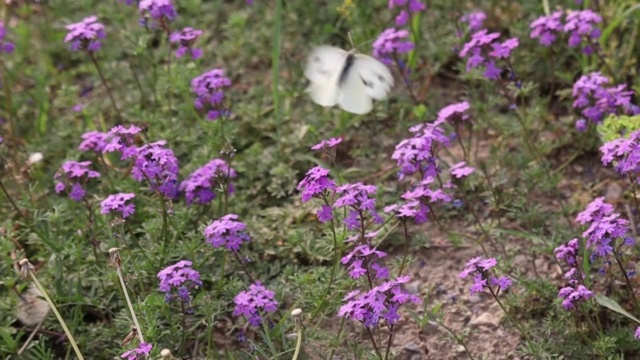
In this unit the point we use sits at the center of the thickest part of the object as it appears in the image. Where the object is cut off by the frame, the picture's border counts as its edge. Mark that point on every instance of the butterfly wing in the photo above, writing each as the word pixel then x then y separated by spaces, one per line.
pixel 352 94
pixel 375 75
pixel 323 69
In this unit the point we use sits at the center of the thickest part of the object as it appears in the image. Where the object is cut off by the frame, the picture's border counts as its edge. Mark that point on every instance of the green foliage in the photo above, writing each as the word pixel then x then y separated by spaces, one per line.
pixel 615 126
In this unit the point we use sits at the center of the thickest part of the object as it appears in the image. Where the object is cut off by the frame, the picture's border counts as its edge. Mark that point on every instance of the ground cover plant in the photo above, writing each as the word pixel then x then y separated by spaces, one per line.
pixel 170 190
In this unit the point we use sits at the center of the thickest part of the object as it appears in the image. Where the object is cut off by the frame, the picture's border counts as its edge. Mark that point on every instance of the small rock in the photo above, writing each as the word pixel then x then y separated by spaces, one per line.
pixel 474 299
pixel 460 349
pixel 485 318
pixel 613 193
pixel 412 347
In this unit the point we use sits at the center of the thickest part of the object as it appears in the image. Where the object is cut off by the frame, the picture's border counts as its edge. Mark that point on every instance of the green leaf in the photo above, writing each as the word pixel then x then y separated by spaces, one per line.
pixel 613 305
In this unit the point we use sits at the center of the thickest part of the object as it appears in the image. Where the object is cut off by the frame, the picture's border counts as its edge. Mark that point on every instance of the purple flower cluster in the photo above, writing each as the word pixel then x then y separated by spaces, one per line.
pixel 595 101
pixel 575 291
pixel 139 353
pixel 85 35
pixel 208 88
pixel 415 200
pixel 200 187
pixel 178 280
pixel 228 232
pixel 582 26
pixel 475 20
pixel 381 302
pixel 605 227
pixel 483 50
pixel 480 267
pixel 362 259
pixel 159 166
pixel 417 154
pixel 117 203
pixel 356 198
pixel 250 303
pixel 93 141
pixel 454 113
pixel 407 7
pixel 6 46
pixel 624 153
pixel 160 11
pixel 185 38
pixel 546 28
pixel 390 44
pixel 72 177
pixel 327 144
pixel 317 184
pixel 120 139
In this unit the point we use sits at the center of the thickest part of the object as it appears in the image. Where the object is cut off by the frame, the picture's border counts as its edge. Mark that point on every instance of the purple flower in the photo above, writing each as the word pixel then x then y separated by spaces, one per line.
pixel 325 214
pixel 502 282
pixel 597 101
pixel 208 88
pixel 159 167
pixel 160 11
pixel 177 280
pixel 356 198
pixel 546 28
pixel 574 295
pixel 581 25
pixel 391 43
pixel 117 203
pixel 407 6
pixel 596 210
pixel 637 333
pixel 364 254
pixel 480 268
pixel 381 302
pixel 417 154
pixel 454 112
pixel 250 303
pixel 93 141
pixel 201 186
pixel 185 38
pixel 139 353
pixel 327 144
pixel 461 170
pixel 85 35
pixel 581 125
pixel 483 49
pixel 72 177
pixel 6 46
pixel 568 252
pixel 316 183
pixel 623 153
pixel 122 139
pixel 475 20
pixel 228 232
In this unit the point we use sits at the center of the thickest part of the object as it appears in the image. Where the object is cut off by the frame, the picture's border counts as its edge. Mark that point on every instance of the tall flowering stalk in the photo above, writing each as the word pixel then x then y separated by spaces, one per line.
pixel 86 36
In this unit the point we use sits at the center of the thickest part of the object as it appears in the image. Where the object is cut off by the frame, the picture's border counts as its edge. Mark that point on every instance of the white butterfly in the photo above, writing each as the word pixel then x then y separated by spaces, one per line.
pixel 347 79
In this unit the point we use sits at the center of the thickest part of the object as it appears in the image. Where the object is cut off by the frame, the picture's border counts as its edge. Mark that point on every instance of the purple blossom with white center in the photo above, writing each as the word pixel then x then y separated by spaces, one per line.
pixel 85 35
pixel 417 154
pixel 327 144
pixel 118 203
pixel 227 231
pixel 159 166
pixel 362 259
pixel 316 183
pixel 93 141
pixel 178 280
pixel 356 198
pixel 582 27
pixel 72 177
pixel 546 28
pixel 122 139
pixel 480 267
pixel 454 112
pixel 483 49
pixel 391 43
pixel 623 153
pixel 208 88
pixel 200 186
pixel 160 11
pixel 475 20
pixel 461 170
pixel 595 100
pixel 254 301
pixel 139 353
pixel 379 303
pixel 6 46
pixel 185 38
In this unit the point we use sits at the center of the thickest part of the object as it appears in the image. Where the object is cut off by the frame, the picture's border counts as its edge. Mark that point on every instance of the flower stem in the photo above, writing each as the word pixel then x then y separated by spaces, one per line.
pixel 104 83
pixel 375 346
pixel 129 304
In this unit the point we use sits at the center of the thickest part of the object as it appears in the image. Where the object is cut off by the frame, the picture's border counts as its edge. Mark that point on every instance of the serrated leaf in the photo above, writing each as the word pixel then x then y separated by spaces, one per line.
pixel 613 305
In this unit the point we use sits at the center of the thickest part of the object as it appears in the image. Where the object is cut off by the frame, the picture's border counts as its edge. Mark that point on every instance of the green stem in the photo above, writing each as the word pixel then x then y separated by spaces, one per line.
pixel 104 83
pixel 129 304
